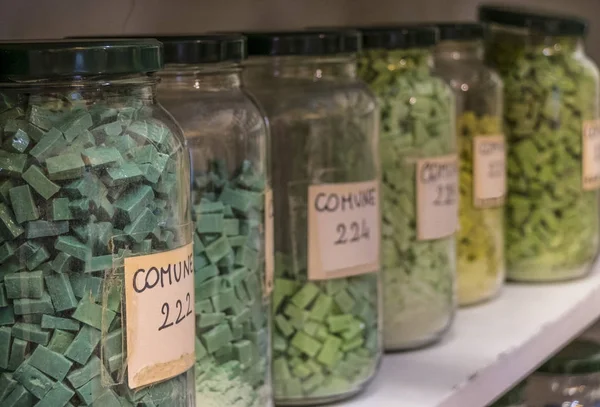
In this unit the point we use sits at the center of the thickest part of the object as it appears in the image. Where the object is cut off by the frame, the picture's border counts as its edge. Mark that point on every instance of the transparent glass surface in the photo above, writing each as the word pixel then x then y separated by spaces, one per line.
pixel 550 92
pixel 227 138
pixel 480 239
pixel 417 121
pixel 323 131
pixel 92 171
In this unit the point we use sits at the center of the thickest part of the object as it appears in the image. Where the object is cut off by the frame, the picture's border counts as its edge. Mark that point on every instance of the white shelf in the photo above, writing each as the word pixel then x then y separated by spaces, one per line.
pixel 490 348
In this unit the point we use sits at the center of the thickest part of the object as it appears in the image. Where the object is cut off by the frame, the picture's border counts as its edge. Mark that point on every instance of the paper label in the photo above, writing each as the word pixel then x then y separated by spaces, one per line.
pixel 159 300
pixel 343 229
pixel 269 243
pixel 437 197
pixel 591 155
pixel 489 171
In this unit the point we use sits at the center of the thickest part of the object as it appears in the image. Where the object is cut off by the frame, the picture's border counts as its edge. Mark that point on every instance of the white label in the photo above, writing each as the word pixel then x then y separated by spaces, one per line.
pixel 343 229
pixel 269 244
pixel 591 155
pixel 159 298
pixel 489 171
pixel 437 197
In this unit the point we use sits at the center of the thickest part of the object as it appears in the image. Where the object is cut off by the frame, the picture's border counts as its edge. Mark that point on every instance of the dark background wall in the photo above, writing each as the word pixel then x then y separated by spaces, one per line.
pixel 58 18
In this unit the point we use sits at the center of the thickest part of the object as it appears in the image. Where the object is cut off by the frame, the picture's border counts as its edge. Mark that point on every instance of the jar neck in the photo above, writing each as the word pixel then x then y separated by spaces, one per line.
pixel 558 45
pixel 131 86
pixel 411 60
pixel 315 69
pixel 531 42
pixel 205 77
pixel 459 51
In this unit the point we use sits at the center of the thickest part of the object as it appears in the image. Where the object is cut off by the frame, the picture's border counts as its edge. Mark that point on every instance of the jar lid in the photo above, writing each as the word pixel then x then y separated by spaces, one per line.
pixel 460 31
pixel 310 42
pixel 196 49
pixel 203 49
pixel 578 357
pixel 547 23
pixel 399 37
pixel 79 57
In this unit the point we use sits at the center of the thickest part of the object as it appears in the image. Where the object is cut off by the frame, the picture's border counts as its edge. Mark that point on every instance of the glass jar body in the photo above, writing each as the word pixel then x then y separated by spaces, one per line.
pixel 551 97
pixel 417 110
pixel 547 390
pixel 227 139
pixel 81 199
pixel 323 133
pixel 480 238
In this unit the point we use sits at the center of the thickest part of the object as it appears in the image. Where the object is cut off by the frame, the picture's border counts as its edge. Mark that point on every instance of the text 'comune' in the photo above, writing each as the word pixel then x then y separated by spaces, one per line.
pixel 162 276
pixel 333 202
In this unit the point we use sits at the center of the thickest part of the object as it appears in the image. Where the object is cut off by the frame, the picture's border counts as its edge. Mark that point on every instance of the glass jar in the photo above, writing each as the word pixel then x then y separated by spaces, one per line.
pixel 227 138
pixel 97 291
pixel 478 89
pixel 419 183
pixel 551 123
pixel 515 397
pixel 569 379
pixel 323 120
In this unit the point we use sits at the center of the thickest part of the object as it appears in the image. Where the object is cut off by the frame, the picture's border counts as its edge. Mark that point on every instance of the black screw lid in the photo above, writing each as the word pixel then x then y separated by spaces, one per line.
pixel 540 21
pixel 206 48
pixel 399 37
pixel 203 49
pixel 460 31
pixel 52 58
pixel 309 42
